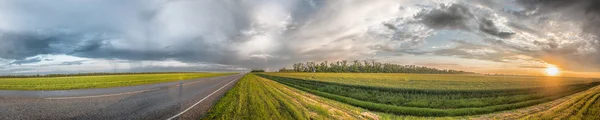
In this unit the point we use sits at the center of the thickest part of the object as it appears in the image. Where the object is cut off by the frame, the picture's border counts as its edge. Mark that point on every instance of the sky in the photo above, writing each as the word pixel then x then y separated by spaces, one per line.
pixel 484 36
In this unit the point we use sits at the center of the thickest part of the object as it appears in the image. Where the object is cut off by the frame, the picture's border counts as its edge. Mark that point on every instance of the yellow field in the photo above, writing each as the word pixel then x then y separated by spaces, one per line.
pixel 101 81
pixel 437 81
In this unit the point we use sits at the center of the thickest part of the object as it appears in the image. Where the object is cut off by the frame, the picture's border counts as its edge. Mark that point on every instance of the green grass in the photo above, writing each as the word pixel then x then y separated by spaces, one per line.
pixel 430 101
pixel 252 94
pixel 104 81
pixel 252 99
pixel 256 98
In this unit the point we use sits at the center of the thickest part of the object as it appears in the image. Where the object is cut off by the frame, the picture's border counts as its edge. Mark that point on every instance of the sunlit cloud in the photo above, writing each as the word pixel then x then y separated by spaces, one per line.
pixel 277 33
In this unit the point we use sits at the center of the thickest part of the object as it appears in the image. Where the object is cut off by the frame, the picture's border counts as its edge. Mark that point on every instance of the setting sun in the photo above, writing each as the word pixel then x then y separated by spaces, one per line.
pixel 552 70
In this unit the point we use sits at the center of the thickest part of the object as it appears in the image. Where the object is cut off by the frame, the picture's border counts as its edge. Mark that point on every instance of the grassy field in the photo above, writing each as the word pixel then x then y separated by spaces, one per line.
pixel 445 95
pixel 104 81
pixel 256 98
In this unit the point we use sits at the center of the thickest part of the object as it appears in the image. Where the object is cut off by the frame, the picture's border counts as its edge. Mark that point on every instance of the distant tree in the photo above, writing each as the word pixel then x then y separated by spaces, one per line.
pixel 286 70
pixel 257 70
pixel 368 67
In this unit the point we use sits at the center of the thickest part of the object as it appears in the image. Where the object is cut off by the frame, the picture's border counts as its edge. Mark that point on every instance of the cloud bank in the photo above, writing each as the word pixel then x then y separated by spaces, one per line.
pixel 275 33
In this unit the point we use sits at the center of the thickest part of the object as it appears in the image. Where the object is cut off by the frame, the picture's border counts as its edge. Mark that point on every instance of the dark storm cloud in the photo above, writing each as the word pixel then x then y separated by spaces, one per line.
pixel 459 16
pixel 186 31
pixel 487 26
pixel 454 16
pixel 44 27
pixel 23 45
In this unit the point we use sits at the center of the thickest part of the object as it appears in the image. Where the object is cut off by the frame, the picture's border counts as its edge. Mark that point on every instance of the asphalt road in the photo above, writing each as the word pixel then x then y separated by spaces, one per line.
pixel 175 100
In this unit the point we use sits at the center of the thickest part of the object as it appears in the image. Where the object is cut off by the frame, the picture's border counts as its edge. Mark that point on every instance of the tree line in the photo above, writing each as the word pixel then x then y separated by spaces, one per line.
pixel 81 74
pixel 366 67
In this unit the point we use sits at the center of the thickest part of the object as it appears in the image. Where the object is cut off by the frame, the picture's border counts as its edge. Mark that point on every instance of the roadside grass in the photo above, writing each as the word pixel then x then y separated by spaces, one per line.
pixel 103 81
pixel 256 98
pixel 433 102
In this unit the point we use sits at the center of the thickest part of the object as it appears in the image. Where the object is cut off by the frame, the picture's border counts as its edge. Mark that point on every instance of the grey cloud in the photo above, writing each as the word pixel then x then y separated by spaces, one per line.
pixel 80 62
pixel 187 31
pixel 464 49
pixel 399 52
pixel 578 54
pixel 273 33
pixel 468 50
pixel 550 44
pixel 26 61
pixel 211 68
pixel 222 32
pixel 568 55
pixel 487 26
pixel 390 26
pixel 462 17
pixel 16 71
pixel 454 16
pixel 191 50
pixel 23 45
pixel 525 28
pixel 514 47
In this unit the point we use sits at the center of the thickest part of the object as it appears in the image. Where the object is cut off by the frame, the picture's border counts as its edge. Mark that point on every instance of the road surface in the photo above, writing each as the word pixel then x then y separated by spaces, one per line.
pixel 188 99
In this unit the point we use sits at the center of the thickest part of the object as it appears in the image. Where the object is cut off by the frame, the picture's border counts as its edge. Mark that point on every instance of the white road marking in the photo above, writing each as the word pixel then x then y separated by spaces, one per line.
pixel 125 93
pixel 203 99
pixel 94 96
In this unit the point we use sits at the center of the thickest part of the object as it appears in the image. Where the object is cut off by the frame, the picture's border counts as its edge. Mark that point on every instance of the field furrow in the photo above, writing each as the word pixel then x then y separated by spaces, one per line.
pixel 433 102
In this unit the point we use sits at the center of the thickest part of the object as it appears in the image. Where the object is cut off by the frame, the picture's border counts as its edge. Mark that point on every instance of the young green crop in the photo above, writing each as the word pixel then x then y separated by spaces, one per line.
pixel 440 99
pixel 103 81
pixel 433 102
pixel 255 98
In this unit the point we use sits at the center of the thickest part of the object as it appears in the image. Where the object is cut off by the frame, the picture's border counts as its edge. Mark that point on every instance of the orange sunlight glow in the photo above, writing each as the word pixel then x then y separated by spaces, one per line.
pixel 552 70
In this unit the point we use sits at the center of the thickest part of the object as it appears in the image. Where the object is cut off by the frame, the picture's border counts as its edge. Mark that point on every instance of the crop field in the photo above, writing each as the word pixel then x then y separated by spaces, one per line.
pixel 434 94
pixel 256 98
pixel 436 81
pixel 103 81
pixel 585 106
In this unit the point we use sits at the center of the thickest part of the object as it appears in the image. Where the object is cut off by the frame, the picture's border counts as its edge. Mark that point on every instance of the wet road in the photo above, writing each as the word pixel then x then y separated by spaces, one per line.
pixel 189 99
